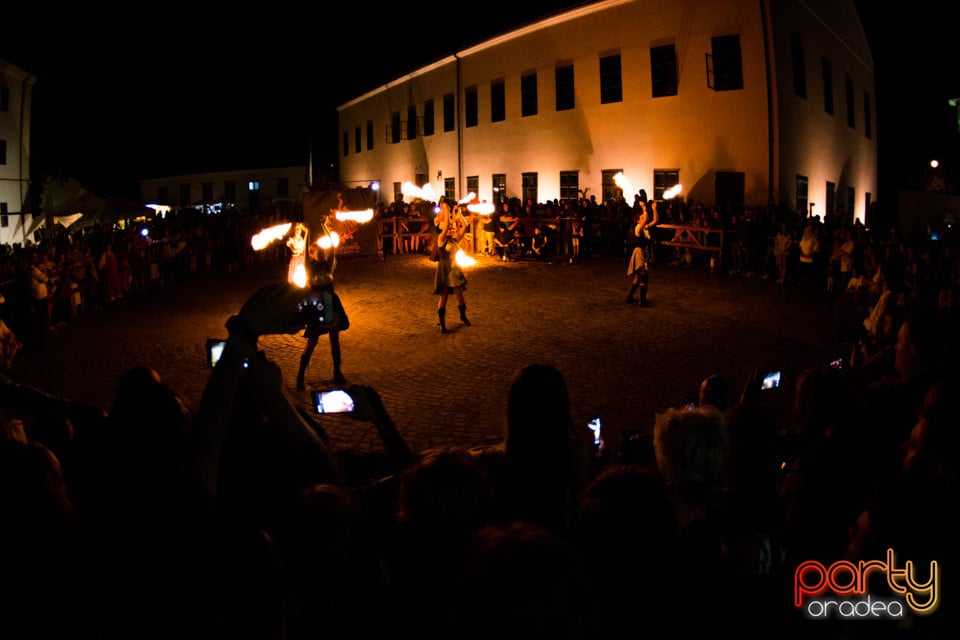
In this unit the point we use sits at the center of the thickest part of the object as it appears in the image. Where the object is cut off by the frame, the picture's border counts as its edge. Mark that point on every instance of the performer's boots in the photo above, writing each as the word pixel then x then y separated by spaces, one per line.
pixel 304 361
pixel 643 291
pixel 463 313
pixel 630 298
pixel 442 313
pixel 337 374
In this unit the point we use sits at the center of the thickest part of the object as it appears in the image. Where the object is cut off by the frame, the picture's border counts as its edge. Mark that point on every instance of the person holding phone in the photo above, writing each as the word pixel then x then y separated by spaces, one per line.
pixel 449 277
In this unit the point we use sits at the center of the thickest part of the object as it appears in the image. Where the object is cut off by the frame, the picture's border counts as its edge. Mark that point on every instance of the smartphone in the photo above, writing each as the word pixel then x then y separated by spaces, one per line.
pixel 594 426
pixel 332 401
pixel 214 351
pixel 771 380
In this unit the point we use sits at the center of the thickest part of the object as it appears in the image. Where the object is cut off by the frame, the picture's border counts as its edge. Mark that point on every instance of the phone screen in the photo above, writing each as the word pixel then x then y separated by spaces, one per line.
pixel 594 426
pixel 771 380
pixel 332 401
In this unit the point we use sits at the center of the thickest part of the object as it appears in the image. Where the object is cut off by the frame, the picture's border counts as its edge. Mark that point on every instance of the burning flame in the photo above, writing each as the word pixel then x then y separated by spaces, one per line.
pixel 332 240
pixel 266 236
pixel 482 208
pixel 357 216
pixel 470 197
pixel 463 259
pixel 672 192
pixel 297 271
pixel 425 192
pixel 621 181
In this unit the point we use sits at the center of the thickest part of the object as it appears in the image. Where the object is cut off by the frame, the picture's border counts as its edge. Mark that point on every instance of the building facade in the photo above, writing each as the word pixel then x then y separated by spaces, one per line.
pixel 739 101
pixel 251 191
pixel 16 97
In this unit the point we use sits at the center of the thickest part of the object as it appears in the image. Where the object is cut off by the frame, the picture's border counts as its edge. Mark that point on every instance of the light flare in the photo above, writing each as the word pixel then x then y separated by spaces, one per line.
pixel 672 192
pixel 470 197
pixel 621 181
pixel 481 208
pixel 366 215
pixel 265 236
pixel 463 259
pixel 330 241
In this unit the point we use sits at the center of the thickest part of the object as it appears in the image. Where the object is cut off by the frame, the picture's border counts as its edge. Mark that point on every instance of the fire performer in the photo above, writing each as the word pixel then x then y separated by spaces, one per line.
pixel 450 278
pixel 320 264
pixel 639 268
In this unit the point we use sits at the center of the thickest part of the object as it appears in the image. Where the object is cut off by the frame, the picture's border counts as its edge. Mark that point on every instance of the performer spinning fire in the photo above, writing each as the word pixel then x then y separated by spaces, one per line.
pixel 320 262
pixel 449 278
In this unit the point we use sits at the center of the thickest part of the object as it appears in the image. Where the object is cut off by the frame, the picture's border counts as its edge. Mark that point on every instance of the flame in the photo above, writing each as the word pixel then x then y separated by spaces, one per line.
pixel 470 197
pixel 621 181
pixel 463 259
pixel 297 271
pixel 266 236
pixel 357 216
pixel 482 208
pixel 672 192
pixel 332 240
pixel 425 192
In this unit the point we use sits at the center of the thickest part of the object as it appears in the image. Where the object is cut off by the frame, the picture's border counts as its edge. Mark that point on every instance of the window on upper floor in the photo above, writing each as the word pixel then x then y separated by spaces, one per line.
pixel 528 95
pixel 369 134
pixel 470 107
pixel 564 87
pixel 498 101
pixel 449 112
pixel 412 122
pixel 4 99
pixel 396 127
pixel 428 118
pixel 827 85
pixel 346 143
pixel 851 108
pixel 611 81
pixel 799 66
pixel 663 70
pixel 724 64
pixel 357 140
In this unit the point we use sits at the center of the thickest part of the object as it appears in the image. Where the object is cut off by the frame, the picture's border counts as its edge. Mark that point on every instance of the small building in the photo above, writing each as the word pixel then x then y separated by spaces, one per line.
pixel 16 98
pixel 740 102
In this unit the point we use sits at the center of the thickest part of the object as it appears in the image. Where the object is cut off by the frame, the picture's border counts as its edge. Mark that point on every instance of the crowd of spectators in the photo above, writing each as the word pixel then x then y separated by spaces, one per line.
pixel 143 519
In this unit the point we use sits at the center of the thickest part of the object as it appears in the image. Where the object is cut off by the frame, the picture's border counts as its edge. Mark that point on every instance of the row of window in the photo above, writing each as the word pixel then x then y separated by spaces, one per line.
pixel 663 179
pixel 800 86
pixel 724 72
pixel 831 207
pixel 229 191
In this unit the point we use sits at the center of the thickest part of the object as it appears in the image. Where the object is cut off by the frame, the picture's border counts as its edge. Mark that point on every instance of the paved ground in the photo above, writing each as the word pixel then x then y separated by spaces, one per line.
pixel 622 362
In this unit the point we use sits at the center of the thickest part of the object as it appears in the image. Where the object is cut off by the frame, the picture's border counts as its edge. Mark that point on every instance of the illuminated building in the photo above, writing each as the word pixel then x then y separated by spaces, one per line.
pixel 740 101
pixel 16 98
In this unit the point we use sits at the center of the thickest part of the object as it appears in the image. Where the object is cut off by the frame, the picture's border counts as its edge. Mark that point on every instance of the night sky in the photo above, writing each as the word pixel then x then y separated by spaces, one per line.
pixel 147 90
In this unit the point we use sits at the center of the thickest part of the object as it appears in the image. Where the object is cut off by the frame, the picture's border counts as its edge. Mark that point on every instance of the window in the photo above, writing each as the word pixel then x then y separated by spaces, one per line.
pixel 253 185
pixel 449 113
pixel 608 186
pixel 528 95
pixel 346 143
pixel 3 152
pixel 565 99
pixel 450 188
pixel 428 118
pixel 369 134
pixel 184 195
pixel 357 140
pixel 851 203
pixel 412 122
pixel 663 70
pixel 397 192
pixel 163 195
pixel 724 67
pixel 611 84
pixel 229 191
pixel 283 187
pixel 4 99
pixel 802 196
pixel 206 190
pixel 799 67
pixel 499 187
pixel 867 120
pixel 529 181
pixel 395 127
pixel 4 218
pixel 831 206
pixel 570 186
pixel 473 184
pixel 851 116
pixel 827 86
pixel 866 205
pixel 664 179
pixel 470 107
pixel 498 101
pixel 420 178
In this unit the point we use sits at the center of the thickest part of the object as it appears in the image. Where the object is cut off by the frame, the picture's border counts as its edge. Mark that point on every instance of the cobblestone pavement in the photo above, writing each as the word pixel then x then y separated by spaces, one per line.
pixel 622 362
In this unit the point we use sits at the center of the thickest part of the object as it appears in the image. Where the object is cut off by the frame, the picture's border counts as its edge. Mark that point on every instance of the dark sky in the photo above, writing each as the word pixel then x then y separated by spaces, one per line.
pixel 151 89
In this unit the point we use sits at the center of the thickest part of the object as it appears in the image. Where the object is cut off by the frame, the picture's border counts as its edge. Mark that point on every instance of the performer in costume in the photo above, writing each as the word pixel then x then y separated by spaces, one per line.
pixel 639 267
pixel 449 278
pixel 320 263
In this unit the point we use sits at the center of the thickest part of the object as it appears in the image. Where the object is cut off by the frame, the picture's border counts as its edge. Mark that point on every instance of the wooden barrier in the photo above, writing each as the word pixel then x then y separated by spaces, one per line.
pixel 696 238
